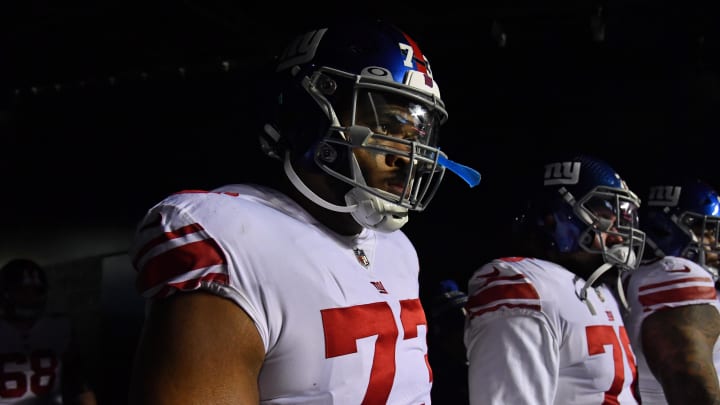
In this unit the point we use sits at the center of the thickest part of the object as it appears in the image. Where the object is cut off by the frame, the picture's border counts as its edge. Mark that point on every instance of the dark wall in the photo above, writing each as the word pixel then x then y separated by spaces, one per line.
pixel 108 108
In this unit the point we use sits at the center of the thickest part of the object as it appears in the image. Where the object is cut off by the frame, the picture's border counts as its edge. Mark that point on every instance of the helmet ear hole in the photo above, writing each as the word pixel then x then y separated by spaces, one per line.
pixel 326 85
pixel 326 153
pixel 586 238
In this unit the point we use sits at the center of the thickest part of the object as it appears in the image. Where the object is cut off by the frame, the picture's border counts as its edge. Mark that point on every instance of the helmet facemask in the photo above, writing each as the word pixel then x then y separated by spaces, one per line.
pixel 704 245
pixel 614 213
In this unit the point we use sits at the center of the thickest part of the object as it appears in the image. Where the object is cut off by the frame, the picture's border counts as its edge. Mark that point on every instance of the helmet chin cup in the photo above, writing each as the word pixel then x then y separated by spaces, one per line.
pixel 622 256
pixel 375 213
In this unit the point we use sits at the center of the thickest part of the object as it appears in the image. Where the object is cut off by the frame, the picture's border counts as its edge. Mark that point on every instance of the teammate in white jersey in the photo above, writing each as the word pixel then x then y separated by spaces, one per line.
pixel 304 291
pixel 542 327
pixel 674 316
pixel 37 362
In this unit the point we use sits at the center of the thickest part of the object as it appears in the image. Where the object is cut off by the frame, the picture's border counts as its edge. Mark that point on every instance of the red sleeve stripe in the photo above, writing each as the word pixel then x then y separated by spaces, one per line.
pixel 179 260
pixel 494 276
pixel 162 291
pixel 500 292
pixel 191 191
pixel 678 295
pixel 164 237
pixel 513 259
pixel 677 281
pixel 473 314
pixel 230 193
pixel 195 283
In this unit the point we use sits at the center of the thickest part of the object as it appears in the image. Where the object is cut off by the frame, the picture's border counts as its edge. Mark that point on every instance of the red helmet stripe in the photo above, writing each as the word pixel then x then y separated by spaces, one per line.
pixel 418 56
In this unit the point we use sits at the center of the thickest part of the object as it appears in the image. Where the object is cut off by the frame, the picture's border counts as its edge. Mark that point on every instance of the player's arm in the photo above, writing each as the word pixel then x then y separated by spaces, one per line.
pixel 678 345
pixel 197 348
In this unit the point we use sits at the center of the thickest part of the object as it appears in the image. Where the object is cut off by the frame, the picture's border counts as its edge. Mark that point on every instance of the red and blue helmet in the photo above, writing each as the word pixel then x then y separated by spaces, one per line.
pixel 372 55
pixel 357 85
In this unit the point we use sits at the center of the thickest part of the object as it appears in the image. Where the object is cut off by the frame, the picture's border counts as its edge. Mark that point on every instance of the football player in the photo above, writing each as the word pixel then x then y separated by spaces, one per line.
pixel 304 290
pixel 543 327
pixel 37 357
pixel 674 316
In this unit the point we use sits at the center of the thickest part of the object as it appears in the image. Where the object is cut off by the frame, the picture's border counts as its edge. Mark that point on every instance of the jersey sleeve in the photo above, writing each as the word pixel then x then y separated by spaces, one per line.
pixel 201 241
pixel 673 283
pixel 173 252
pixel 499 287
pixel 512 360
pixel 512 351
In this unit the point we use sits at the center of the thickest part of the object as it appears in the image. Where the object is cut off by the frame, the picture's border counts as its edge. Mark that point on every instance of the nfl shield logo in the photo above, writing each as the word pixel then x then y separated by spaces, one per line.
pixel 361 257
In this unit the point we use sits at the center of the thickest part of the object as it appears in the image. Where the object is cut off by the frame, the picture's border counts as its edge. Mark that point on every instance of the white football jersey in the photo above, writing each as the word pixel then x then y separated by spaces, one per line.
pixel 31 361
pixel 669 282
pixel 532 340
pixel 340 317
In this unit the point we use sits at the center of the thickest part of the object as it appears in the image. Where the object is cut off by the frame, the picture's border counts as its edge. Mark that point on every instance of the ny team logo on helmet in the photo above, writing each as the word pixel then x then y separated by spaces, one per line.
pixel 562 173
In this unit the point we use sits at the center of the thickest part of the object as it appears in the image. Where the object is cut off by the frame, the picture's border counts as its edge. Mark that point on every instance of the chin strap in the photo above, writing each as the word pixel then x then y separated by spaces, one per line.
pixel 305 190
pixel 621 292
pixel 366 209
pixel 590 281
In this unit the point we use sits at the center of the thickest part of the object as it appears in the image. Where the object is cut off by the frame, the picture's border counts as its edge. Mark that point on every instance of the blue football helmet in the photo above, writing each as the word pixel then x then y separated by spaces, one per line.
pixel 682 218
pixel 587 197
pixel 360 85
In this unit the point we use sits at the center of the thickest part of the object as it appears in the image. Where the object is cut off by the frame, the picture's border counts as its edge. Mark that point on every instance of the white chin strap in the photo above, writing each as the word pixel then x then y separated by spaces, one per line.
pixel 619 255
pixel 590 281
pixel 367 210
